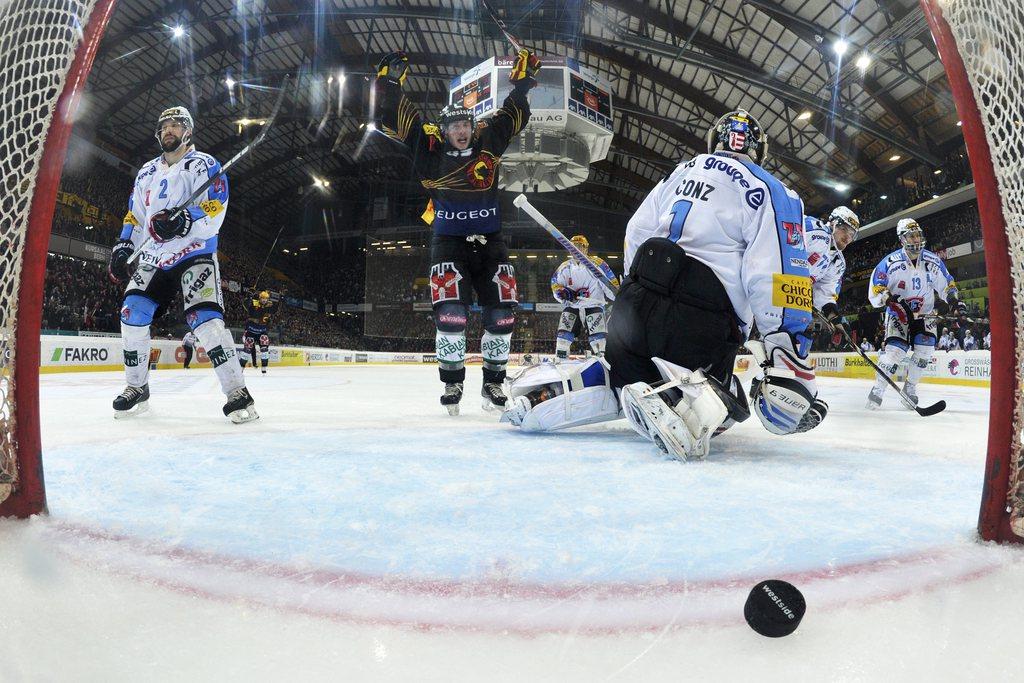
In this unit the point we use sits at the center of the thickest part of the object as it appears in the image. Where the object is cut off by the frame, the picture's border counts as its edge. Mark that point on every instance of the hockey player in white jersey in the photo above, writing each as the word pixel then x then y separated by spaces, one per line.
pixel 909 282
pixel 715 247
pixel 825 241
pixel 584 298
pixel 188 345
pixel 181 256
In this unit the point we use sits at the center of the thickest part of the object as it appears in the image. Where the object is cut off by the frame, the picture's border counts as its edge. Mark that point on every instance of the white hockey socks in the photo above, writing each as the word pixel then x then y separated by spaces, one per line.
pixel 919 363
pixel 889 361
pixel 495 349
pixel 220 347
pixel 136 341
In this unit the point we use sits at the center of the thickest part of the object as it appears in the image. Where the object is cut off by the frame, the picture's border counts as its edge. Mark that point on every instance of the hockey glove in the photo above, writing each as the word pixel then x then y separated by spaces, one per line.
pixel 835 319
pixel 900 307
pixel 170 223
pixel 786 399
pixel 118 269
pixel 525 68
pixel 956 306
pixel 394 67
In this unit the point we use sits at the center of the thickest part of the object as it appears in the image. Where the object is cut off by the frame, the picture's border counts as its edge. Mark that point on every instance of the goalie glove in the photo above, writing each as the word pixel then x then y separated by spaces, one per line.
pixel 118 269
pixel 170 223
pixel 394 67
pixel 785 400
pixel 525 68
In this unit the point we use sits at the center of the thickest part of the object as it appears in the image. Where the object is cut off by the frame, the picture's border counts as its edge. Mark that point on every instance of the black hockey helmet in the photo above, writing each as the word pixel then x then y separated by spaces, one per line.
pixel 453 113
pixel 740 133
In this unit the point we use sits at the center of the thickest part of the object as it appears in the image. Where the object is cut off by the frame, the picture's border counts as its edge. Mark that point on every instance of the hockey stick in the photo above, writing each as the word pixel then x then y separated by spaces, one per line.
pixel 521 202
pixel 223 169
pixel 516 45
pixel 267 260
pixel 923 412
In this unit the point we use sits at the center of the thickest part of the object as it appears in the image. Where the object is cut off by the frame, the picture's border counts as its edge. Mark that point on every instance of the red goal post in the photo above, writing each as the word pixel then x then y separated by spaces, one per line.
pixel 46 50
pixel 981 46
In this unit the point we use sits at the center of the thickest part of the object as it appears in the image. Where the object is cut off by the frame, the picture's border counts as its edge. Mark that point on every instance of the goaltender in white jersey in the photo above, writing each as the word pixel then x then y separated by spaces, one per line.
pixel 715 247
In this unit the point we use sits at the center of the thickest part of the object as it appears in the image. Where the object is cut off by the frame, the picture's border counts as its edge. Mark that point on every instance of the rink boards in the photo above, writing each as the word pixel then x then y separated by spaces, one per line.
pixel 64 353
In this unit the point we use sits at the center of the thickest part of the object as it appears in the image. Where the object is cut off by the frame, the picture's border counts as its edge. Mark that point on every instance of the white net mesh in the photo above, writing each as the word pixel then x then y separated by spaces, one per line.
pixel 990 39
pixel 38 40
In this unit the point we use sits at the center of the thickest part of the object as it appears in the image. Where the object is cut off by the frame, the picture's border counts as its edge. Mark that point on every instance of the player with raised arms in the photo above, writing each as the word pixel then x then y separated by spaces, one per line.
pixel 583 298
pixel 910 282
pixel 182 256
pixel 716 246
pixel 256 332
pixel 457 161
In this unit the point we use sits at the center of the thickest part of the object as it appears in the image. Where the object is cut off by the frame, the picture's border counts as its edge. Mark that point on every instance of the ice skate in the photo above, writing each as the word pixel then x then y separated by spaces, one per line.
pixel 451 397
pixel 494 397
pixel 240 406
pixel 910 391
pixel 874 399
pixel 131 401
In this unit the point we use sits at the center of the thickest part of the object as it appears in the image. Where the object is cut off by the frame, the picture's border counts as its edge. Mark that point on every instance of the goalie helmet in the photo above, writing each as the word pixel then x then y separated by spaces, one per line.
pixel 453 113
pixel 182 116
pixel 739 133
pixel 911 237
pixel 581 242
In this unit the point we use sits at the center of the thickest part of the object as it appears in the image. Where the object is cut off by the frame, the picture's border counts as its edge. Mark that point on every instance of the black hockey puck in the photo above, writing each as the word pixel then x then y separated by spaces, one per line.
pixel 774 608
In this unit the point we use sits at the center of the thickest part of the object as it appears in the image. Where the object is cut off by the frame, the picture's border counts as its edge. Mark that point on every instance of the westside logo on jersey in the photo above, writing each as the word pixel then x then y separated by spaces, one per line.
pixel 444 282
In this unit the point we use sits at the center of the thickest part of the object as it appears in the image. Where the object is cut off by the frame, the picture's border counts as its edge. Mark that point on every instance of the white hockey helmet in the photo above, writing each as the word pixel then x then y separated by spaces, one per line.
pixel 841 215
pixel 911 237
pixel 182 116
pixel 739 133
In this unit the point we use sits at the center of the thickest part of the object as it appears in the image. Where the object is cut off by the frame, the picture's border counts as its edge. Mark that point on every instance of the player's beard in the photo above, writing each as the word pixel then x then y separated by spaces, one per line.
pixel 169 147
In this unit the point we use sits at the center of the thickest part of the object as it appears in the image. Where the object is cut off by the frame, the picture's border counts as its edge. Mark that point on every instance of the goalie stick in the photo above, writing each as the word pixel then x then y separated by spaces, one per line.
pixel 521 202
pixel 223 169
pixel 923 412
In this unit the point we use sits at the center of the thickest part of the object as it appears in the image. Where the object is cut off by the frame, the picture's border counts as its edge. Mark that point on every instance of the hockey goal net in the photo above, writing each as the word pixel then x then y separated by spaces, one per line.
pixel 981 45
pixel 46 50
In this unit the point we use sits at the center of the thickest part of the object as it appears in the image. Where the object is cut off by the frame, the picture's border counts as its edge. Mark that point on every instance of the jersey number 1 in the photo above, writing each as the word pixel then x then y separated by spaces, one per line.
pixel 680 210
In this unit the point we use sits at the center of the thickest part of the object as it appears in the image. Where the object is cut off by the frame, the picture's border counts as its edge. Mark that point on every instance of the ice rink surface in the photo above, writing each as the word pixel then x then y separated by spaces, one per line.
pixel 355 532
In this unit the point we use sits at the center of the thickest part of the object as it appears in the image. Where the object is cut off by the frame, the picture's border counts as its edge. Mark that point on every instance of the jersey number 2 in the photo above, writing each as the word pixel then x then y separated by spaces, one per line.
pixel 680 210
pixel 163 189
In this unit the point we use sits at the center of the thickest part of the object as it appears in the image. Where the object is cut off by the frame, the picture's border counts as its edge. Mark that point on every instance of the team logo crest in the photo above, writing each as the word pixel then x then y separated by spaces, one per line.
pixel 954 367
pixel 737 140
pixel 794 233
pixel 480 173
pixel 444 282
pixel 505 278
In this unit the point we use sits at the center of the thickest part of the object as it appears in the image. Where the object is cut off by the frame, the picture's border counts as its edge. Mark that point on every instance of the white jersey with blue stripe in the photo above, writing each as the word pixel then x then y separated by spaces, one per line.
pixel 918 283
pixel 739 220
pixel 158 187
pixel 826 263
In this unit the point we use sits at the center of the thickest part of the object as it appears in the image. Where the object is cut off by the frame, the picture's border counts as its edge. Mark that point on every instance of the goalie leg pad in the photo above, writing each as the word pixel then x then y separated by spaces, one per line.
pixel 551 397
pixel 680 416
pixel 220 347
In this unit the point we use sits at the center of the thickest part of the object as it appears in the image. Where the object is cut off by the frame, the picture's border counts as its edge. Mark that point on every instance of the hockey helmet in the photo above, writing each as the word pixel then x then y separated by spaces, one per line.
pixel 453 113
pixel 264 296
pixel 911 237
pixel 581 242
pixel 739 133
pixel 842 216
pixel 182 116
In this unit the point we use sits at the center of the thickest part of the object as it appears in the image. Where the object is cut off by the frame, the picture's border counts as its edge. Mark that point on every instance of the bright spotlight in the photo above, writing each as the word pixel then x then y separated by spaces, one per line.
pixel 841 187
pixel 840 47
pixel 177 32
pixel 371 126
pixel 895 157
pixel 863 62
pixel 884 197
pixel 804 115
pixel 230 82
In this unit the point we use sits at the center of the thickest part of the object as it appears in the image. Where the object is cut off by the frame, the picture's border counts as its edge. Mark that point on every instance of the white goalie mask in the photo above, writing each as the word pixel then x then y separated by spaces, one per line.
pixel 911 237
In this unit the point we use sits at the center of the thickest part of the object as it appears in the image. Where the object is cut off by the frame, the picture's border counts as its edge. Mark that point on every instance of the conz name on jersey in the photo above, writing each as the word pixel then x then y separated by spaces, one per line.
pixel 695 189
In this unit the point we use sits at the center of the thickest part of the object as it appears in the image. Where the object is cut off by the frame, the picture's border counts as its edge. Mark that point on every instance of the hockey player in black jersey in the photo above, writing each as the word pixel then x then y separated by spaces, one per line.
pixel 456 160
pixel 256 334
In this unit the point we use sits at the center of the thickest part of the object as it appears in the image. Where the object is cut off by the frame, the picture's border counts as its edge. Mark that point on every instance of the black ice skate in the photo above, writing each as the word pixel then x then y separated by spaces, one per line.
pixel 131 401
pixel 240 406
pixel 494 397
pixel 451 397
